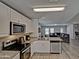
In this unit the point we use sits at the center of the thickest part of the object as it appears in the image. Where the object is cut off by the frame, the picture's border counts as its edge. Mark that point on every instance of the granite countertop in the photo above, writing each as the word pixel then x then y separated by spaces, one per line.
pixel 32 39
pixel 49 39
pixel 8 54
pixel 55 39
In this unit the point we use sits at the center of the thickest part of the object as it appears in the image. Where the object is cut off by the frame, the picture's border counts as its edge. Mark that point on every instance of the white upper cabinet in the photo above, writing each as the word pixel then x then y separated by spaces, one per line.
pixel 14 16
pixel 4 19
pixel 29 27
pixel 22 19
pixel 7 14
pixel 17 17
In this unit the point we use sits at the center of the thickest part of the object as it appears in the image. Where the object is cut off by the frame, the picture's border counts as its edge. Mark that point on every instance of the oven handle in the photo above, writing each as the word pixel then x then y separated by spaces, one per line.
pixel 25 50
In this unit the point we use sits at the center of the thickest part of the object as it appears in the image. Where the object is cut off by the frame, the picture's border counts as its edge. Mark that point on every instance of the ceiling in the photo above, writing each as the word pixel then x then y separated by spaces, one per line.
pixel 25 6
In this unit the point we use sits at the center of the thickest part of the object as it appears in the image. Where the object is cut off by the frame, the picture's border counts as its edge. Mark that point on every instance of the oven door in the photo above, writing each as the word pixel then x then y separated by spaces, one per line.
pixel 25 54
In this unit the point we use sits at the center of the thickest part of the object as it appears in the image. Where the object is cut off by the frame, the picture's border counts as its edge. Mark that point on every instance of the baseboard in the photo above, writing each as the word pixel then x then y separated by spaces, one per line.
pixel 54 53
pixel 42 53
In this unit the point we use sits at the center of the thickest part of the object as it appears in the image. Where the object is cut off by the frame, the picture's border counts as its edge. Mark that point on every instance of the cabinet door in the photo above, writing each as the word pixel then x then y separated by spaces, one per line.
pixel 14 16
pixel 43 46
pixel 4 19
pixel 20 18
pixel 17 56
pixel 0 46
pixel 29 26
pixel 24 20
pixel 33 47
pixel 46 46
pixel 55 47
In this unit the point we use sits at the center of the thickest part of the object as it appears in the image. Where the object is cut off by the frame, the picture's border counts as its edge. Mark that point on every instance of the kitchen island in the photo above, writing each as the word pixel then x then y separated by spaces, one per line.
pixel 56 45
pixel 51 45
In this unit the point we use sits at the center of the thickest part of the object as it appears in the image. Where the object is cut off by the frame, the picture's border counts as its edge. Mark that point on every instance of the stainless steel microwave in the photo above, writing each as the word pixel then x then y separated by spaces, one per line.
pixel 16 28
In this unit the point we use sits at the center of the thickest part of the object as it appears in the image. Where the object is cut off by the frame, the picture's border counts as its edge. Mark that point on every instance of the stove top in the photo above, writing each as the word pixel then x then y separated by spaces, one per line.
pixel 16 47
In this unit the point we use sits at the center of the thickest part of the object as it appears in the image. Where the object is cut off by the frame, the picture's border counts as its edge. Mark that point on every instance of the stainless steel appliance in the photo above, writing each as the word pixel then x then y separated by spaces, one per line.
pixel 16 28
pixel 16 46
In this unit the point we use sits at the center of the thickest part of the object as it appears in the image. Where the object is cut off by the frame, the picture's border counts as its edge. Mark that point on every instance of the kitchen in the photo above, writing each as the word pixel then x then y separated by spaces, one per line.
pixel 24 38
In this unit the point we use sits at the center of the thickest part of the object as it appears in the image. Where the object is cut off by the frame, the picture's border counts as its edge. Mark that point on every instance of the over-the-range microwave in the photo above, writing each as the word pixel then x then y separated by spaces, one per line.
pixel 16 28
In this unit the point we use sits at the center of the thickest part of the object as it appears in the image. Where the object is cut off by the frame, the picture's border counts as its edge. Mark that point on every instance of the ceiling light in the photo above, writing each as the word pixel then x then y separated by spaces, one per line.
pixel 48 9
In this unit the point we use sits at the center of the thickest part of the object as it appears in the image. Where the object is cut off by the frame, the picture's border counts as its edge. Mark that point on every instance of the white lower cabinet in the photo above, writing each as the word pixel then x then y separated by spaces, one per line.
pixel 40 47
pixel 55 47
pixel 0 46
pixel 17 56
pixel 43 47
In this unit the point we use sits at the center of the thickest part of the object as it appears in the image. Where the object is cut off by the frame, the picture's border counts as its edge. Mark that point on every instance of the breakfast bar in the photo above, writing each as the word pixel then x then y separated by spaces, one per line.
pixel 51 45
pixel 56 45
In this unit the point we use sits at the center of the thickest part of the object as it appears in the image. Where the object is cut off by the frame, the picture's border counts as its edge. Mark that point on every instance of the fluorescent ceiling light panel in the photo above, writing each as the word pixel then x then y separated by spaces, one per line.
pixel 48 9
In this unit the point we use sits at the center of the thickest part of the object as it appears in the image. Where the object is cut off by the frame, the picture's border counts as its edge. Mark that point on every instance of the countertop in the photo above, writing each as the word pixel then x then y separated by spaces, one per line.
pixel 32 39
pixel 49 39
pixel 55 39
pixel 8 54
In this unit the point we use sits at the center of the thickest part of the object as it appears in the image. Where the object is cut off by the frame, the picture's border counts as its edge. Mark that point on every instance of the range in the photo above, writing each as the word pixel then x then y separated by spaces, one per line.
pixel 16 46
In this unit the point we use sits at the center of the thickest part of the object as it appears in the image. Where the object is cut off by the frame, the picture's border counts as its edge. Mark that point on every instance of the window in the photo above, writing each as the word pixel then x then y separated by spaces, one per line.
pixel 51 30
pixel 61 30
pixel 47 31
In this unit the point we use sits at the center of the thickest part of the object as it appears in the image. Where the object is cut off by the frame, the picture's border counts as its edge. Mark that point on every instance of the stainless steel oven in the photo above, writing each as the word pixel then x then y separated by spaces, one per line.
pixel 14 46
pixel 25 54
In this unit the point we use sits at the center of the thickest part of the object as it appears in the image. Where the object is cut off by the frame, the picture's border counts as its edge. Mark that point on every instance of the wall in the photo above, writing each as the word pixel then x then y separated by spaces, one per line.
pixel 70 27
pixel 35 27
pixel 70 30
pixel 56 28
pixel 75 19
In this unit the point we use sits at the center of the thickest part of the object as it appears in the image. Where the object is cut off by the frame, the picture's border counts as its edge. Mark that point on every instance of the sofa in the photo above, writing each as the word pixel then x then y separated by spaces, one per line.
pixel 65 37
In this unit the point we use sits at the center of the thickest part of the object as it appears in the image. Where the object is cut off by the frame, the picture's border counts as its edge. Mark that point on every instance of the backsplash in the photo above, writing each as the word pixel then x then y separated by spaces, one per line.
pixel 13 37
pixel 8 38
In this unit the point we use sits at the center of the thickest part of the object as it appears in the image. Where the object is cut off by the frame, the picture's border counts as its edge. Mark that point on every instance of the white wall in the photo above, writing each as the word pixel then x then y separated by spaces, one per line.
pixel 70 31
pixel 70 27
pixel 56 29
pixel 35 27
pixel 75 19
